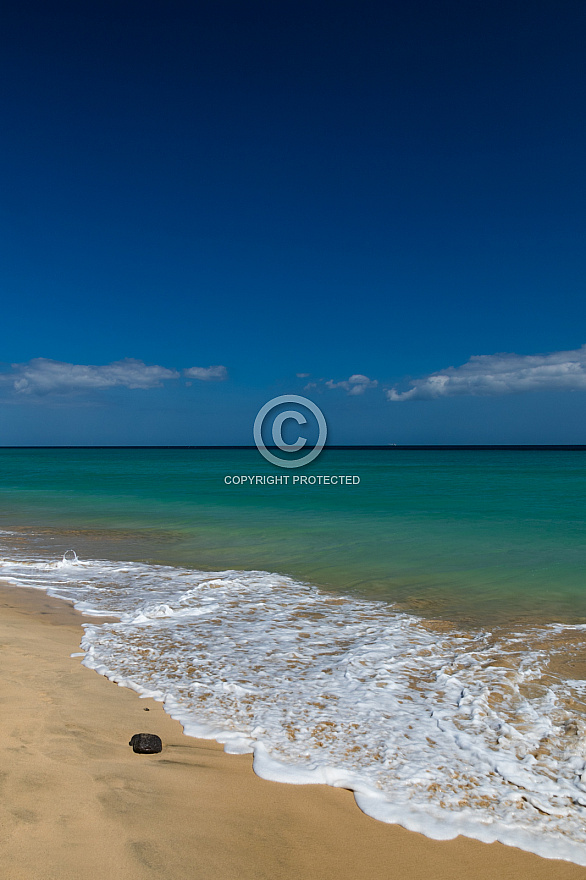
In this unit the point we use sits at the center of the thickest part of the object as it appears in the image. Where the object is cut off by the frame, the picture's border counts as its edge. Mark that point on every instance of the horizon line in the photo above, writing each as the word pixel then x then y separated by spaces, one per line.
pixel 371 446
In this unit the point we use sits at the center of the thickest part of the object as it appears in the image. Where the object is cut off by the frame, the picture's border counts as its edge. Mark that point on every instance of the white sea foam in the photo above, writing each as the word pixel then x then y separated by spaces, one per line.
pixel 444 732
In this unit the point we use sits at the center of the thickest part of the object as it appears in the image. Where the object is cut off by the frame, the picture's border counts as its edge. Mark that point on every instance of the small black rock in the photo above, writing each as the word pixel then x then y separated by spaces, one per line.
pixel 146 743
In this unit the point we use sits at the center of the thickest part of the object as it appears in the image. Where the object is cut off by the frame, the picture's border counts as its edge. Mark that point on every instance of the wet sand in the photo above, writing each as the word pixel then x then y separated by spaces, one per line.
pixel 75 801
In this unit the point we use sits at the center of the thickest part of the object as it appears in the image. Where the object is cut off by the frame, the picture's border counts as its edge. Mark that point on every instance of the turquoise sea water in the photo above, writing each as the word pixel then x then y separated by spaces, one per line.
pixel 479 536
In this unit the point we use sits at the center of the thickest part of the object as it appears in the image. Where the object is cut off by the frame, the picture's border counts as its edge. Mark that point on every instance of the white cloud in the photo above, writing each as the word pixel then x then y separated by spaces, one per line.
pixel 207 374
pixel 302 375
pixel 495 374
pixel 41 376
pixel 356 384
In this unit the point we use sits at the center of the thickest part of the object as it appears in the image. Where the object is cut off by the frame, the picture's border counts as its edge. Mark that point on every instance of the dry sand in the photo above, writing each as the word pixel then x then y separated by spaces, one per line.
pixel 76 802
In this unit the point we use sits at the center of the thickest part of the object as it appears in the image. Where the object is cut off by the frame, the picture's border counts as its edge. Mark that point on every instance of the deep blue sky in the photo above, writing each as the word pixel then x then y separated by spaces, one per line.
pixel 333 188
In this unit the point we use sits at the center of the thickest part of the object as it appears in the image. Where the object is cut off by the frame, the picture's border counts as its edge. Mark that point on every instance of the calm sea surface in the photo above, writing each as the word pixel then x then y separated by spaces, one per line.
pixel 480 536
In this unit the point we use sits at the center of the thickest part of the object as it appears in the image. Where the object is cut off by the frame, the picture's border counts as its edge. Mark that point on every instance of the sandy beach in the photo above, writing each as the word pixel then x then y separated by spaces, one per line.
pixel 77 802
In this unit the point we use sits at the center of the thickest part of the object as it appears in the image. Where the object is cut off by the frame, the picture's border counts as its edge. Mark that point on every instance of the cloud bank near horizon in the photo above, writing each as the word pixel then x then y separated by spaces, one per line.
pixel 498 374
pixel 42 376
pixel 481 375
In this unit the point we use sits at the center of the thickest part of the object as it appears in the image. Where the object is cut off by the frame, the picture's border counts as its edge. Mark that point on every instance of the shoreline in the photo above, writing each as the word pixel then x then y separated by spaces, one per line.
pixel 77 801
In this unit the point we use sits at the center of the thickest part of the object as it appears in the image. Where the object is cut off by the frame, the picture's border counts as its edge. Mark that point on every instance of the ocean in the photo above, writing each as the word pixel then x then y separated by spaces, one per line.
pixel 415 633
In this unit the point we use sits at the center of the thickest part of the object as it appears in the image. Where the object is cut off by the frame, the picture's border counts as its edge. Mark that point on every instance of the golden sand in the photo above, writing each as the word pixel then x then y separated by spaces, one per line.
pixel 76 802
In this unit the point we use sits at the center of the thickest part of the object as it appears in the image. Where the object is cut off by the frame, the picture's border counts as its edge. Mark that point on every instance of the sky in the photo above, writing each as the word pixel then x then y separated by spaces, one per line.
pixel 376 205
